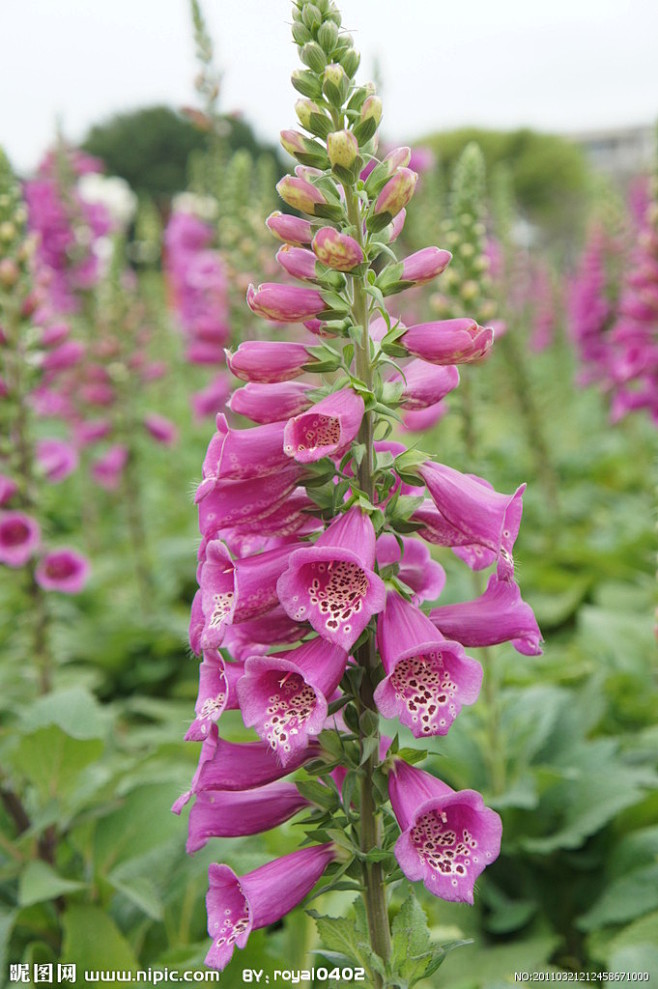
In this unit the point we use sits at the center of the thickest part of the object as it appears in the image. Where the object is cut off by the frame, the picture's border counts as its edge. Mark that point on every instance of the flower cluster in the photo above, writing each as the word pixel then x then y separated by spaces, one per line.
pixel 313 614
pixel 26 462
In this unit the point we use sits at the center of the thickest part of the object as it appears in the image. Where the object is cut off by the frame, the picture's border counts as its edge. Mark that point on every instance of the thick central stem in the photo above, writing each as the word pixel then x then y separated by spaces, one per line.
pixel 366 655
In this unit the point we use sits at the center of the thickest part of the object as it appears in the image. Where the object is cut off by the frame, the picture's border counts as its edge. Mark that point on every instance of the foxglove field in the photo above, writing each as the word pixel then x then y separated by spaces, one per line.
pixel 327 522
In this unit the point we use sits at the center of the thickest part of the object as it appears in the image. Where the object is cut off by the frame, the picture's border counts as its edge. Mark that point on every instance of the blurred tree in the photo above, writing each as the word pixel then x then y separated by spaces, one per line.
pixel 150 147
pixel 549 174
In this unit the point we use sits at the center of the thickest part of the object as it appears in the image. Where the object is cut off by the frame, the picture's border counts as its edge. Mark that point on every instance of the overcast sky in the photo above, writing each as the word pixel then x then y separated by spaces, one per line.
pixel 562 65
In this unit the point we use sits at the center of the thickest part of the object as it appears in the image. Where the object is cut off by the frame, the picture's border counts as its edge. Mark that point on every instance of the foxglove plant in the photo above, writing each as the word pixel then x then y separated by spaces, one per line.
pixel 311 525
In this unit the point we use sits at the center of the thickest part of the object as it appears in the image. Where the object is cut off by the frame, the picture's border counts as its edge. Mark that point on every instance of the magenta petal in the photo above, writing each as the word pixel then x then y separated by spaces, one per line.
pixel 245 765
pixel 265 361
pixel 20 536
pixel 285 696
pixel 234 503
pixel 447 839
pixel 499 615
pixel 448 341
pixel 272 402
pixel 333 587
pixel 327 429
pixel 56 458
pixel 230 814
pixel 229 916
pixel 428 678
pixel 255 637
pixel 285 303
pixel 62 570
pixel 291 229
pixel 297 261
pixel 240 454
pixel 426 384
pixel 217 693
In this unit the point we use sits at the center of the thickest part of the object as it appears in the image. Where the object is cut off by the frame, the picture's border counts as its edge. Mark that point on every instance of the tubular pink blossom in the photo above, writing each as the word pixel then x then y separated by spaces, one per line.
pixel 425 384
pixel 332 584
pixel 245 765
pixel 423 575
pixel 326 429
pixel 217 693
pixel 211 399
pixel 238 905
pixel 284 697
pixel 297 262
pixel 290 229
pixel 240 454
pixel 448 838
pixel 161 429
pixel 257 636
pixel 56 458
pixel 272 402
pixel 227 814
pixel 337 250
pixel 498 615
pixel 428 678
pixel 449 341
pixel 62 570
pixel 418 420
pixel 20 537
pixel 284 303
pixel 424 265
pixel 267 361
pixel 298 192
pixel 107 470
pixel 239 504
pixel 471 514
pixel 64 356
pixel 397 192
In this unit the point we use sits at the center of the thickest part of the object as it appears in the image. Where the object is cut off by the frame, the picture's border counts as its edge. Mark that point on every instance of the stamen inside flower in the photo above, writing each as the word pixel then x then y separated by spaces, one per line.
pixel 290 705
pixel 337 589
pixel 232 921
pixel 222 607
pixel 426 689
pixel 314 431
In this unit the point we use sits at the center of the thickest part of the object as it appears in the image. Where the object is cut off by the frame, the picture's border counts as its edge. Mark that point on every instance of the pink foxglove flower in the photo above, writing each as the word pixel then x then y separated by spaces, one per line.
pixel 336 250
pixel 108 469
pixel 231 814
pixel 397 192
pixel 231 504
pixel 326 429
pixel 56 458
pixel 284 696
pixel 8 489
pixel 218 682
pixel 425 385
pixel 448 837
pixel 238 905
pixel 424 265
pixel 498 615
pixel 240 454
pixel 332 584
pixel 20 537
pixel 415 567
pixel 265 361
pixel 449 341
pixel 284 303
pixel 297 262
pixel 298 192
pixel 161 429
pixel 290 229
pixel 428 678
pixel 271 403
pixel 62 570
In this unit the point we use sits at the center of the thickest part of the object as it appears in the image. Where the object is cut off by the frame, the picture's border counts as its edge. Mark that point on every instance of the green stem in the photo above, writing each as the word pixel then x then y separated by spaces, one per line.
pixel 366 655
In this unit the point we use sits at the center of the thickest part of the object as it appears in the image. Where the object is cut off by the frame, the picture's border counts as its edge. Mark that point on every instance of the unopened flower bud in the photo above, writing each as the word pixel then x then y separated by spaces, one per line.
pixel 311 16
pixel 343 148
pixel 337 250
pixel 313 56
pixel 292 142
pixel 397 192
pixel 350 62
pixel 299 193
pixel 372 109
pixel 304 109
pixel 306 83
pixel 301 34
pixel 7 232
pixel 335 83
pixel 328 36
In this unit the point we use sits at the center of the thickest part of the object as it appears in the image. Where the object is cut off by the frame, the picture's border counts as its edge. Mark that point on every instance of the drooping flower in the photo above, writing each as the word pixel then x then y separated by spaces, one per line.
pixel 285 303
pixel 326 429
pixel 498 615
pixel 290 229
pixel 108 469
pixel 231 814
pixel 425 385
pixel 20 536
pixel 56 458
pixel 238 905
pixel 218 682
pixel 284 696
pixel 448 341
pixel 297 262
pixel 62 570
pixel 336 250
pixel 266 361
pixel 271 402
pixel 448 837
pixel 241 454
pixel 161 429
pixel 397 192
pixel 332 584
pixel 428 678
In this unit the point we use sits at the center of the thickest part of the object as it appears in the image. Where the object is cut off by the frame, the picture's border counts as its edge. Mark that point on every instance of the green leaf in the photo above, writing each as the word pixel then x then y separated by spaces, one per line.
pixel 93 941
pixel 410 941
pixel 340 934
pixel 76 711
pixel 53 761
pixel 7 920
pixel 141 891
pixel 39 882
pixel 634 949
pixel 625 899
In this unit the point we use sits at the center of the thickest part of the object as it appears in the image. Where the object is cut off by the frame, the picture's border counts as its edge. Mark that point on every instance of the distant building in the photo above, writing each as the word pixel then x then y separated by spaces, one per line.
pixel 619 152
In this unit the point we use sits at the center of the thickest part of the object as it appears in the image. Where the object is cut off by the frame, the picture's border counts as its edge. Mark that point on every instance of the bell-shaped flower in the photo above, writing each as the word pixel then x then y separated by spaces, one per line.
pixel 326 429
pixel 419 420
pixel 238 905
pixel 271 403
pixel 448 837
pixel 416 568
pixel 268 360
pixel 332 584
pixel 56 459
pixel 161 429
pixel 498 615
pixel 424 265
pixel 258 635
pixel 424 385
pixel 428 678
pixel 290 229
pixel 241 454
pixel 245 765
pixel 62 570
pixel 233 591
pixel 238 504
pixel 297 262
pixel 233 814
pixel 448 341
pixel 471 514
pixel 292 518
pixel 218 681
pixel 20 536
pixel 108 470
pixel 284 303
pixel 337 250
pixel 284 696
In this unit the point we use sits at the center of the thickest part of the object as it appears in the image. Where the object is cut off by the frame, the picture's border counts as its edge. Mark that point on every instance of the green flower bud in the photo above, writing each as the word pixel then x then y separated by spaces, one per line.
pixel 467 250
pixel 343 148
pixel 304 109
pixel 372 110
pixel 7 232
pixel 311 16
pixel 469 290
pixel 9 273
pixel 301 34
pixel 313 56
pixel 350 62
pixel 335 84
pixel 306 83
pixel 328 36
